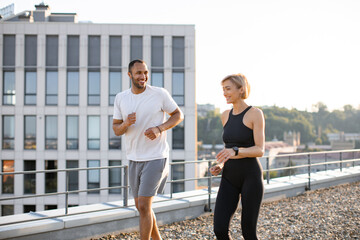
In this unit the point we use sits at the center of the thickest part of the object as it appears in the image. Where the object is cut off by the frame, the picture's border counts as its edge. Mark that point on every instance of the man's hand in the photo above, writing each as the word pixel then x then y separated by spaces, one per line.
pixel 152 133
pixel 131 119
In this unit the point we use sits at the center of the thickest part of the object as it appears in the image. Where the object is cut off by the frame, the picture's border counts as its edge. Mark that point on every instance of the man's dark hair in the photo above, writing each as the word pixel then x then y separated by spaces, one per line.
pixel 132 63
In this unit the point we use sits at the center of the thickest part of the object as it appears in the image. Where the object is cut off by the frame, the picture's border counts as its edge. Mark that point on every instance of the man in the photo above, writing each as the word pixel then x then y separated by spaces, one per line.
pixel 139 113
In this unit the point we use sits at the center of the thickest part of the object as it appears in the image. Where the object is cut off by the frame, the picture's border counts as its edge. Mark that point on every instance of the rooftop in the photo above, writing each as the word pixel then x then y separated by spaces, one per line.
pixel 331 213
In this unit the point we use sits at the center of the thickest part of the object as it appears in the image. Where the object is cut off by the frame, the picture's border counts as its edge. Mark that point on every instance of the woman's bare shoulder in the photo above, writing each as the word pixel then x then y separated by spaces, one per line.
pixel 225 116
pixel 256 113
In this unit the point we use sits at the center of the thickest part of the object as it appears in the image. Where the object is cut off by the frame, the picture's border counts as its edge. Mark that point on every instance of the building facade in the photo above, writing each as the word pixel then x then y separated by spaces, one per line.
pixel 58 81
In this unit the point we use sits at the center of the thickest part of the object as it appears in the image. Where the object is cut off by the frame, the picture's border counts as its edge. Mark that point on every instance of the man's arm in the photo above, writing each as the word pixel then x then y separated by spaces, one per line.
pixel 120 126
pixel 175 118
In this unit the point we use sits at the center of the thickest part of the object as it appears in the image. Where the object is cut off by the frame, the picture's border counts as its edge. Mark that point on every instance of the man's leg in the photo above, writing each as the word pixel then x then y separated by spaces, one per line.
pixel 155 234
pixel 148 226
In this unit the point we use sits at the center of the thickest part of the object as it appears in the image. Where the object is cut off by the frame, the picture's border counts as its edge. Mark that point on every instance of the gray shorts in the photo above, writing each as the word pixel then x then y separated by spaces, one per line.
pixel 147 179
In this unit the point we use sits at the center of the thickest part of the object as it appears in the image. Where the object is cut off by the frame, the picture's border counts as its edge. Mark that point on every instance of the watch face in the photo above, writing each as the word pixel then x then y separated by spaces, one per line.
pixel 236 149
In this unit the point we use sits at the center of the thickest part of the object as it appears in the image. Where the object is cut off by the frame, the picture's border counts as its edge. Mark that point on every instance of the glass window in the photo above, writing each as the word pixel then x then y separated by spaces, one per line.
pixel 93 175
pixel 114 85
pixel 30 51
pixel 73 175
pixel 29 179
pixel 157 78
pixel 114 141
pixel 30 132
pixel 94 88
pixel 72 132
pixel 8 131
pixel 52 51
pixel 72 88
pixel 177 173
pixel 7 180
pixel 9 88
pixel 157 52
pixel 7 210
pixel 178 88
pixel 93 132
pixel 51 132
pixel 50 178
pixel 9 50
pixel 178 136
pixel 94 51
pixel 115 51
pixel 136 48
pixel 178 52
pixel 50 207
pixel 29 208
pixel 30 88
pixel 51 87
pixel 73 51
pixel 115 176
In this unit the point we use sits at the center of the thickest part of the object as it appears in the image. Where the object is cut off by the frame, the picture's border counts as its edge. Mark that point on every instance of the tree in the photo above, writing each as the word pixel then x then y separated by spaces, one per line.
pixel 210 129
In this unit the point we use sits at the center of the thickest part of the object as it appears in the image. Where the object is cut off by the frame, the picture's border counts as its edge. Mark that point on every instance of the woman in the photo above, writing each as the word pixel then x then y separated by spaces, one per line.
pixel 241 170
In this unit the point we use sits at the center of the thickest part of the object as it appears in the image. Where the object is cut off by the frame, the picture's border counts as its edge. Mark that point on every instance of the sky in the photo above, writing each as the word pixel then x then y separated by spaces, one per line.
pixel 294 53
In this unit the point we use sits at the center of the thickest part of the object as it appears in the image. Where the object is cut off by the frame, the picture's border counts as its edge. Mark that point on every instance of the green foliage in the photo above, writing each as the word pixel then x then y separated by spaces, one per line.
pixel 210 129
pixel 273 174
pixel 288 172
pixel 313 126
pixel 280 120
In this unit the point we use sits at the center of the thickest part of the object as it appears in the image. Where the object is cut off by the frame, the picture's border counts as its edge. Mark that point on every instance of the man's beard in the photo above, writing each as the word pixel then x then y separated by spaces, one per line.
pixel 138 86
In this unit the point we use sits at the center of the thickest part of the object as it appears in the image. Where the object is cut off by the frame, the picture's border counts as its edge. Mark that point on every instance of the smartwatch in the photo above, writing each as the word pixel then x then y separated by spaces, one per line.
pixel 236 150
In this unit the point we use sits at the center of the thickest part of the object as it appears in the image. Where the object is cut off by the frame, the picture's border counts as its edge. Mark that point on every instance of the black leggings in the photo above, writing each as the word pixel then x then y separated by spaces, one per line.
pixel 240 177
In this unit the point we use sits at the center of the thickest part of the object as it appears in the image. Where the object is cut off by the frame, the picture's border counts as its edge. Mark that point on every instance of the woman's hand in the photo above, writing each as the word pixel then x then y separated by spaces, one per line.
pixel 225 155
pixel 215 170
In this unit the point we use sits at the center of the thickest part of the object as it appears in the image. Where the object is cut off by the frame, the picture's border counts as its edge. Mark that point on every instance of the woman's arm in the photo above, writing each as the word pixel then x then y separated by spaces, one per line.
pixel 258 126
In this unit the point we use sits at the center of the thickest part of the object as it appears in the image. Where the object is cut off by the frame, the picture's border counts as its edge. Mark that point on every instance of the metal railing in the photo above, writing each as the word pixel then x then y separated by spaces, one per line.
pixel 345 157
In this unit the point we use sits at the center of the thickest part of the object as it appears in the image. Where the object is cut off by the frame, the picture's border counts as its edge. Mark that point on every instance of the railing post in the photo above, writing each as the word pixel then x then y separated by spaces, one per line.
pixel 126 183
pixel 67 192
pixel 268 170
pixel 353 162
pixel 309 172
pixel 171 184
pixel 208 207
pixel 290 169
pixel 326 166
pixel 341 164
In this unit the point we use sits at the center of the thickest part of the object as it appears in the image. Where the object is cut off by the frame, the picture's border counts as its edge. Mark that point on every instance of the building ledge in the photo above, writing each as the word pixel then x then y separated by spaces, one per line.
pixel 113 217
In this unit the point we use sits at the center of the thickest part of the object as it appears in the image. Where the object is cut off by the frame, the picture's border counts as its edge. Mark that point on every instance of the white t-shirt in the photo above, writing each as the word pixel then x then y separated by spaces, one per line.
pixel 150 107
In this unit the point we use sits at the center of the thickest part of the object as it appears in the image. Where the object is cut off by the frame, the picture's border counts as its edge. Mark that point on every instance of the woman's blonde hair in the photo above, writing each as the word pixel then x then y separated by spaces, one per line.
pixel 240 81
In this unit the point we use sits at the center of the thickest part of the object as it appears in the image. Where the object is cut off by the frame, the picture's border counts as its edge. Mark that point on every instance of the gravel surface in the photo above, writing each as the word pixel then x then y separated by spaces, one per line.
pixel 332 213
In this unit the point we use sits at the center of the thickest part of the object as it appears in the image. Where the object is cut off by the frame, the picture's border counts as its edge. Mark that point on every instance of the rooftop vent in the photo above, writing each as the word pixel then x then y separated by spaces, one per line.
pixel 42 6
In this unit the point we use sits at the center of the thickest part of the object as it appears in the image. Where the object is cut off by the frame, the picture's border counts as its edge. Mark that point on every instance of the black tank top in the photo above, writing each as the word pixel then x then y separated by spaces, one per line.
pixel 236 133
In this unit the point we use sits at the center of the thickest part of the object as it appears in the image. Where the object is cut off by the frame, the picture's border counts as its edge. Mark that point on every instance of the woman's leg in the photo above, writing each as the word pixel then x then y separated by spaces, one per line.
pixel 226 204
pixel 251 197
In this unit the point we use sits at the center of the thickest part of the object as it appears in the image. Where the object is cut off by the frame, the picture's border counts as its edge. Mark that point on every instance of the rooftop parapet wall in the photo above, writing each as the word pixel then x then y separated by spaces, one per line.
pixel 112 217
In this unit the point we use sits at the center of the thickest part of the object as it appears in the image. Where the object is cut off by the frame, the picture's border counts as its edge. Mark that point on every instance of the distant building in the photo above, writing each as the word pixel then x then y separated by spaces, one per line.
pixel 341 136
pixel 203 109
pixel 343 141
pixel 58 81
pixel 274 148
pixel 292 138
pixel 7 11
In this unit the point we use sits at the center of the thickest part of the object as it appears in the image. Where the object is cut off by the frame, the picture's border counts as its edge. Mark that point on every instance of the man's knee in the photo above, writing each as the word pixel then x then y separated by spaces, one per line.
pixel 144 204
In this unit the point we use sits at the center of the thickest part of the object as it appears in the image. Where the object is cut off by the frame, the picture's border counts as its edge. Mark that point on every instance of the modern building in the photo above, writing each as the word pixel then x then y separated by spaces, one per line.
pixel 58 81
